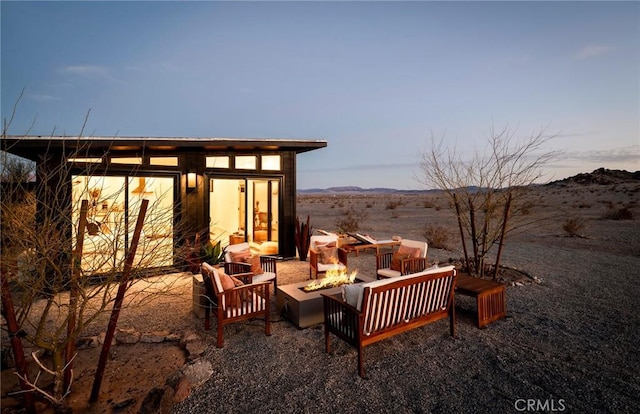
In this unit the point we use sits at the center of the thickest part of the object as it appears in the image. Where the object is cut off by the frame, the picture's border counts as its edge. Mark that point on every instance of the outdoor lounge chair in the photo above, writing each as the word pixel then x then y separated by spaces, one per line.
pixel 265 271
pixel 411 257
pixel 236 303
pixel 320 258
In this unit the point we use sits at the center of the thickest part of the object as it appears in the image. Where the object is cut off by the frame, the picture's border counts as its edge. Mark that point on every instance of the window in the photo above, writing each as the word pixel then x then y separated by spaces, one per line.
pixel 165 161
pixel 87 160
pixel 246 162
pixel 127 160
pixel 113 206
pixel 218 162
pixel 271 162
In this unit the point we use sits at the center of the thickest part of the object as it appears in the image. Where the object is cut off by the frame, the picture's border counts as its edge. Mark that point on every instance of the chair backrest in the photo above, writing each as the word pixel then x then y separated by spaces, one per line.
pixel 416 244
pixel 212 282
pixel 322 239
pixel 208 277
pixel 234 248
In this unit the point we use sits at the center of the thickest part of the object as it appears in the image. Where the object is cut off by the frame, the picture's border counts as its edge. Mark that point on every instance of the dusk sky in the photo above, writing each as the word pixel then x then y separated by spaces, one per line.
pixel 374 79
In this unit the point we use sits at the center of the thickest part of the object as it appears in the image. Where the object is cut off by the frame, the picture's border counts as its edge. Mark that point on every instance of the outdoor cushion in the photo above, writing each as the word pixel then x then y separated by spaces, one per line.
pixel 352 294
pixel 328 254
pixel 324 267
pixel 246 306
pixel 240 256
pixel 263 277
pixel 396 260
pixel 389 272
pixel 254 261
pixel 410 251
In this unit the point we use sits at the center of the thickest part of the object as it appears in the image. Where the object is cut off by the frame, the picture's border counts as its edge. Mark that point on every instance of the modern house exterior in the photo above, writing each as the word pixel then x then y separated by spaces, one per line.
pixel 227 189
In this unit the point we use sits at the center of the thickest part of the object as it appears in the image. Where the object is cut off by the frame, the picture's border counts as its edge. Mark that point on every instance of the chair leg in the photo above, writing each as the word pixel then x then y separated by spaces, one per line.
pixel 220 342
pixel 361 362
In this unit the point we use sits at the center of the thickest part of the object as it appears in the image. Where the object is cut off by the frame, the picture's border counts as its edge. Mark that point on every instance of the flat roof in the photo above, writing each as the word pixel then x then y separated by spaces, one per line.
pixel 29 146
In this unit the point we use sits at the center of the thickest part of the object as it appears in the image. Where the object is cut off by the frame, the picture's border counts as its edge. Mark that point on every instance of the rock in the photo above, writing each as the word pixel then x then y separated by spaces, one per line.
pixel 198 372
pixel 182 389
pixel 195 349
pixel 153 337
pixel 127 336
pixel 120 405
pixel 88 342
pixel 174 337
pixel 151 403
pixel 102 336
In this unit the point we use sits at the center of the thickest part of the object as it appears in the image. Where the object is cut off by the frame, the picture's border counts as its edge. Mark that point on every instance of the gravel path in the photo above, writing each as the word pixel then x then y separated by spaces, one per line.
pixel 568 344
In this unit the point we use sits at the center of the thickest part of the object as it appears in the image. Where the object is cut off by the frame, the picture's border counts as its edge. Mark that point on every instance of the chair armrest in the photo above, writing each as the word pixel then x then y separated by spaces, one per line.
pixel 233 268
pixel 342 256
pixel 313 258
pixel 383 260
pixel 268 264
pixel 245 277
pixel 413 265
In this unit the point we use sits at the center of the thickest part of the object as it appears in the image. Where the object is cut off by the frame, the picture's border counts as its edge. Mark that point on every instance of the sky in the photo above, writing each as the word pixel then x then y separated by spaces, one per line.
pixel 376 80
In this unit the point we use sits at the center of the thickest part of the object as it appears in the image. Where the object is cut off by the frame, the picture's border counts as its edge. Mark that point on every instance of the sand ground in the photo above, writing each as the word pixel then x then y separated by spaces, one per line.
pixel 569 342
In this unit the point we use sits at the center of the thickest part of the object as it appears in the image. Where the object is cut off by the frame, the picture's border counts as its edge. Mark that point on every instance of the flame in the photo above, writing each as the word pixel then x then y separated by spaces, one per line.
pixel 335 277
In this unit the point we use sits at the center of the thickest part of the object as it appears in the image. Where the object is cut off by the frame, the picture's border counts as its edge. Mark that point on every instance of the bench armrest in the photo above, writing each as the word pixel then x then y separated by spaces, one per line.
pixel 341 318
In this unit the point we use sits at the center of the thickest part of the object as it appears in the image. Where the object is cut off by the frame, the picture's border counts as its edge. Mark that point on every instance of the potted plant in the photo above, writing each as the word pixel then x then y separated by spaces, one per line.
pixel 303 238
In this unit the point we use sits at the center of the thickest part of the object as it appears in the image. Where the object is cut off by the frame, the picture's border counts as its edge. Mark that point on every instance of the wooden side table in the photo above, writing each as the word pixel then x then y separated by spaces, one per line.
pixel 491 300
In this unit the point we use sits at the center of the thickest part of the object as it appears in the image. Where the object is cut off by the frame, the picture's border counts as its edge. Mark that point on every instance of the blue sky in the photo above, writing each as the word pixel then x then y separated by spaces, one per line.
pixel 375 79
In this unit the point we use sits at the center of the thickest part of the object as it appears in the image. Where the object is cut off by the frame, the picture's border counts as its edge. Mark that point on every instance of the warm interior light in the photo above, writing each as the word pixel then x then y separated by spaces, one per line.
pixel 191 180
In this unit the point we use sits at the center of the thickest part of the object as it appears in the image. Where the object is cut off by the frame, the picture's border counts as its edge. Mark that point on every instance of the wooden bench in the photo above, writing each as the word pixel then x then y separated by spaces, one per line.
pixel 490 298
pixel 373 311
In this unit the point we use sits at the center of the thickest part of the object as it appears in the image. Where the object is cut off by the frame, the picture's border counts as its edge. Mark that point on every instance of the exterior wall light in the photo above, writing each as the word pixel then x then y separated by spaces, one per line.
pixel 192 180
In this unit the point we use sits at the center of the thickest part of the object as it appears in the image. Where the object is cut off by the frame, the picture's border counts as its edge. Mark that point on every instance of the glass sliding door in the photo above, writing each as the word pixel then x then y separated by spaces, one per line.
pixel 244 210
pixel 155 248
pixel 114 203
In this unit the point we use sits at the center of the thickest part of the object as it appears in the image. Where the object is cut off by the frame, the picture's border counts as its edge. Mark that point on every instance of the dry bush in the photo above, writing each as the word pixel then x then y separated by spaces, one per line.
pixel 350 220
pixel 392 205
pixel 574 226
pixel 623 213
pixel 436 236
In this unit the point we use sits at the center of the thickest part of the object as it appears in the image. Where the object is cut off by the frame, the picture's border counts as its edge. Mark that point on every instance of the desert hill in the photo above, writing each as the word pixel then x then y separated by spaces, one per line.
pixel 600 176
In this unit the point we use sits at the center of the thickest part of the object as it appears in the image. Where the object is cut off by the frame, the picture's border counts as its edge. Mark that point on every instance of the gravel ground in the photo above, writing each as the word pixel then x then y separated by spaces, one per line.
pixel 568 344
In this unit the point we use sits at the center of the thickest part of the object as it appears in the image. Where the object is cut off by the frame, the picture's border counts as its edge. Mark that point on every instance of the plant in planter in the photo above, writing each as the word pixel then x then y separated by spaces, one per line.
pixel 303 237
pixel 212 253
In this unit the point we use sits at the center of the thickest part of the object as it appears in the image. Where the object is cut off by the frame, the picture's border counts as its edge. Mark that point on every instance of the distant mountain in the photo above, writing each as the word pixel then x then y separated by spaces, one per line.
pixel 600 176
pixel 360 190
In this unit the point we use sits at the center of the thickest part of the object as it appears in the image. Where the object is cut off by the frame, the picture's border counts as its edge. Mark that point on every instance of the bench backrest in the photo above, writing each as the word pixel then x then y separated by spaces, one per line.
pixel 393 301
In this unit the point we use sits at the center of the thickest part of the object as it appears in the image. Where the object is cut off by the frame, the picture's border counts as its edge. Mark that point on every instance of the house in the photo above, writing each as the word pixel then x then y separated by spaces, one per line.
pixel 226 189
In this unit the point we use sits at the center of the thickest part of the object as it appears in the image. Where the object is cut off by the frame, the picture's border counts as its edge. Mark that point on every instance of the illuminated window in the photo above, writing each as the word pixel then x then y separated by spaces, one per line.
pixel 246 162
pixel 218 162
pixel 271 162
pixel 127 160
pixel 166 161
pixel 87 160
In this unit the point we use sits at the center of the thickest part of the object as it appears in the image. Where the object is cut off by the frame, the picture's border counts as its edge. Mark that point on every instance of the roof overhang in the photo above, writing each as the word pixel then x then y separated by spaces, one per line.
pixel 31 146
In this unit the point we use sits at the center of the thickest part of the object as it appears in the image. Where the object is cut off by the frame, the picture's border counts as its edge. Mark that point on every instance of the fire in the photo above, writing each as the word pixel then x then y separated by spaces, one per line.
pixel 335 277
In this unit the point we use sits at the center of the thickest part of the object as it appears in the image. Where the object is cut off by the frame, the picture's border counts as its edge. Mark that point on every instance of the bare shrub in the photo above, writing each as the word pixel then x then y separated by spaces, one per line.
pixel 574 226
pixel 436 236
pixel 350 220
pixel 623 213
pixel 392 205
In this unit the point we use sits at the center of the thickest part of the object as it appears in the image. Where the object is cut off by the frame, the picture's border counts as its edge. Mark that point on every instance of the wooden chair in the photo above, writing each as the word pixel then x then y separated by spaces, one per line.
pixel 268 264
pixel 233 305
pixel 407 265
pixel 316 265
